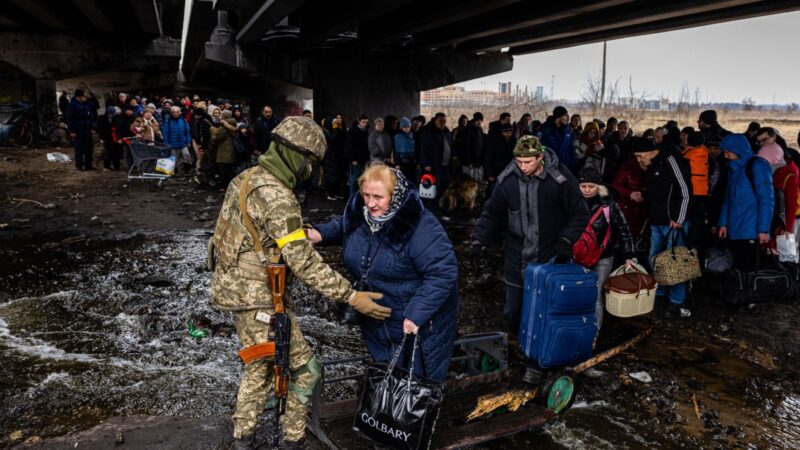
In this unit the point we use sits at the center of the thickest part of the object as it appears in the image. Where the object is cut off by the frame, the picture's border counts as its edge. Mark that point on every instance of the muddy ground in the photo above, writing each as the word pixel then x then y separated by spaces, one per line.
pixel 98 276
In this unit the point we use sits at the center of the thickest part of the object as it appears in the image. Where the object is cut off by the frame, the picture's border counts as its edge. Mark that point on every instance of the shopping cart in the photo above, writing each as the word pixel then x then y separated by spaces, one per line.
pixel 142 158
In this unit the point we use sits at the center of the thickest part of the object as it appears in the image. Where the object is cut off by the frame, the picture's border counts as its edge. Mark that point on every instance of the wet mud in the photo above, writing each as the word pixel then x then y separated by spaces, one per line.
pixel 93 325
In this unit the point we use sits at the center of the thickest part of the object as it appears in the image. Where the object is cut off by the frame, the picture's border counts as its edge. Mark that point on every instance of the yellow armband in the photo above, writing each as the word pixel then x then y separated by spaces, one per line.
pixel 293 236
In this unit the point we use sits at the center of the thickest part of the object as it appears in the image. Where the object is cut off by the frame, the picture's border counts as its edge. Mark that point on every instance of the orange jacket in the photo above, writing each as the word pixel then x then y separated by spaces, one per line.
pixel 698 161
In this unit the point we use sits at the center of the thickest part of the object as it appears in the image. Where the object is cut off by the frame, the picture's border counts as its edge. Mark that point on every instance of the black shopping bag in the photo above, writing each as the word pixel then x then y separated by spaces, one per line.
pixel 397 408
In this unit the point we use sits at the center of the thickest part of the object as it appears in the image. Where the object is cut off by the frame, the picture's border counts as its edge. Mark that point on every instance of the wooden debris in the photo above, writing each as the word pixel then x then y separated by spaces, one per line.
pixel 696 408
pixel 511 399
pixel 611 353
pixel 67 241
pixel 37 203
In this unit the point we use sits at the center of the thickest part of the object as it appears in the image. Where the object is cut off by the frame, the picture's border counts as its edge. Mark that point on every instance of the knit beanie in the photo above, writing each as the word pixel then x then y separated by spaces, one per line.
pixel 709 116
pixel 528 146
pixel 643 144
pixel 405 122
pixel 590 175
pixel 377 121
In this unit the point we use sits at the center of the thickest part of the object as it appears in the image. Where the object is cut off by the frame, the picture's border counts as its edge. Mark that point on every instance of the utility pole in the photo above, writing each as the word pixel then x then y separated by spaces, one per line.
pixel 603 80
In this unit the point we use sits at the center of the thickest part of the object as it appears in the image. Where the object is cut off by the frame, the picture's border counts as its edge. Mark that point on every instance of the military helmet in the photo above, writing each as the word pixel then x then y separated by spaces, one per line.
pixel 301 134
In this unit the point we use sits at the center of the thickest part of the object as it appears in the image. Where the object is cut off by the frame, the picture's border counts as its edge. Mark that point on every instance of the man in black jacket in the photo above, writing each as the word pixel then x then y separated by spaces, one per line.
pixel 708 125
pixel 263 127
pixel 546 224
pixel 669 189
pixel 473 156
pixel 356 150
pixel 499 153
pixel 436 152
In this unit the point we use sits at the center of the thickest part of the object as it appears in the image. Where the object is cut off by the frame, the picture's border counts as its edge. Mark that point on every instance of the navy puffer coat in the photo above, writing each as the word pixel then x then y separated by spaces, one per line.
pixel 415 268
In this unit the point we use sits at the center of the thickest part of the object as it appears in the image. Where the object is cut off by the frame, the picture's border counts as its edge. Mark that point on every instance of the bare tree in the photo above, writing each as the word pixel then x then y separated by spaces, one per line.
pixel 748 104
pixel 592 93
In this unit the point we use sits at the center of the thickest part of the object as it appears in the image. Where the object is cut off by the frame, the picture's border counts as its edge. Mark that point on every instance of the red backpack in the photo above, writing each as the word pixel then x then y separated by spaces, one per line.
pixel 587 250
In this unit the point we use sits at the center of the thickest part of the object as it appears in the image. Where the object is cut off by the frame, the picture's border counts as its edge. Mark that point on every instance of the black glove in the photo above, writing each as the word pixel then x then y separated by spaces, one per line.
pixel 475 249
pixel 563 251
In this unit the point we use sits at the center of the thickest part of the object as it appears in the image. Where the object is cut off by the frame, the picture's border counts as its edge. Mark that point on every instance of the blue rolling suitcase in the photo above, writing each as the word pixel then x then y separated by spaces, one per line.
pixel 557 327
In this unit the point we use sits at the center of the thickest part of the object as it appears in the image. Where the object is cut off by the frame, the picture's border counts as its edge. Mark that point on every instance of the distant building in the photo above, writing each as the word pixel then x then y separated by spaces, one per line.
pixel 450 95
pixel 505 88
pixel 538 96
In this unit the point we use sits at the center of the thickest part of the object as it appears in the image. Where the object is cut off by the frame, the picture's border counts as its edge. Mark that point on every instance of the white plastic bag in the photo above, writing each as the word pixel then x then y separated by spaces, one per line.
pixel 58 157
pixel 787 248
pixel 166 165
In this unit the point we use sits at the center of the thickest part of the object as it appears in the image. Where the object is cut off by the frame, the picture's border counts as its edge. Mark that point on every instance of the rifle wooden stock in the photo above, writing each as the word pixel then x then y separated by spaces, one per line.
pixel 276 275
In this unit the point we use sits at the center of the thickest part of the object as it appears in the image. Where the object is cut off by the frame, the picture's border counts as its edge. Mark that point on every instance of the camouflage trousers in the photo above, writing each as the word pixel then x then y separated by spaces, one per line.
pixel 257 382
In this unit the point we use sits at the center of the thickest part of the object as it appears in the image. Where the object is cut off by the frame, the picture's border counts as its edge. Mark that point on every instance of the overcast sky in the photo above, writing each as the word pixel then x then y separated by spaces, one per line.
pixel 758 58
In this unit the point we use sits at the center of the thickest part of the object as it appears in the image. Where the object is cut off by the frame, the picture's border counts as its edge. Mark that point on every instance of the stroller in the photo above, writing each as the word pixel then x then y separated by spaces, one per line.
pixel 143 157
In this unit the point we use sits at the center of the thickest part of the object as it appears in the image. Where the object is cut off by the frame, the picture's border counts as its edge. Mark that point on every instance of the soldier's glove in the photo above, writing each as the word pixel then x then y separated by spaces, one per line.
pixel 475 249
pixel 362 302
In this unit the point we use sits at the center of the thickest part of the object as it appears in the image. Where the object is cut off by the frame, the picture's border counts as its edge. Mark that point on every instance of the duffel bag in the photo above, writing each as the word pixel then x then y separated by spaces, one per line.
pixel 677 264
pixel 758 286
pixel 630 291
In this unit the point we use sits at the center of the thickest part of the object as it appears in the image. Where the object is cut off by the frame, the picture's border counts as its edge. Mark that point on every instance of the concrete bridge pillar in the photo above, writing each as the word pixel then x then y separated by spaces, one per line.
pixel 47 102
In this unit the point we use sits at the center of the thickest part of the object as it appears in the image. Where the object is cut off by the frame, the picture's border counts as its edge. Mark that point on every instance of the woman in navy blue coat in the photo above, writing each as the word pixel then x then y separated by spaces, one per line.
pixel 398 248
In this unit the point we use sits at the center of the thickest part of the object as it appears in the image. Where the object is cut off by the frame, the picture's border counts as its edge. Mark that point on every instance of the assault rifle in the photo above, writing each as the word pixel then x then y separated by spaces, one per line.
pixel 282 326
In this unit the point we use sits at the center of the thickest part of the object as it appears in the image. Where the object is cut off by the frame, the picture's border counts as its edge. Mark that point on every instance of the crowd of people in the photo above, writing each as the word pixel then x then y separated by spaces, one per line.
pixel 546 184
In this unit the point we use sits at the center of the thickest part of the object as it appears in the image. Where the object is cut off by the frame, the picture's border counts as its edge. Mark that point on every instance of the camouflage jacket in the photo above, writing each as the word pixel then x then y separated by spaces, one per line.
pixel 239 281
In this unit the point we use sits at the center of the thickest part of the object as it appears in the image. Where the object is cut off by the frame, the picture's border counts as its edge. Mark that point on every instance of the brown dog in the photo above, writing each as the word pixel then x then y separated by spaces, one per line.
pixel 464 188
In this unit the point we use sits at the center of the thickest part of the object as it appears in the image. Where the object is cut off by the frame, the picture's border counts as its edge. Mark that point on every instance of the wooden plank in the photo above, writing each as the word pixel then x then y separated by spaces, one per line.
pixel 493 428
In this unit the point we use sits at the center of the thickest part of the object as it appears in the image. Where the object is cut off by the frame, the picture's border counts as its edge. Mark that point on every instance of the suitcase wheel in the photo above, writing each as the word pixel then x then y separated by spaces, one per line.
pixel 559 393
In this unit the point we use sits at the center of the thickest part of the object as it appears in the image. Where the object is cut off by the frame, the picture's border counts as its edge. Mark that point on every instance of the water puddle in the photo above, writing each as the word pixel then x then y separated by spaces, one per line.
pixel 96 329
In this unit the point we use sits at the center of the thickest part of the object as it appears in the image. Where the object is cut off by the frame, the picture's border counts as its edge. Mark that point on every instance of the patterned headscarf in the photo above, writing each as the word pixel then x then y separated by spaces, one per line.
pixel 398 197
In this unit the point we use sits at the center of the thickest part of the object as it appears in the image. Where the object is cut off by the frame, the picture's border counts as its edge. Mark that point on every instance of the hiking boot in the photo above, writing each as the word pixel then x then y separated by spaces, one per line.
pixel 673 311
pixel 246 442
pixel 532 375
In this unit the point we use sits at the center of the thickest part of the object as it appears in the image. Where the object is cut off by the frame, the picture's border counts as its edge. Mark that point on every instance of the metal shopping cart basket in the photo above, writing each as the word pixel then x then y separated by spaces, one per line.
pixel 142 158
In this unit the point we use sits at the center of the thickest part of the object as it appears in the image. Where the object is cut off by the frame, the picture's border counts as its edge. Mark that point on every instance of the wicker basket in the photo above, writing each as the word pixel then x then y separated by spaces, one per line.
pixel 630 292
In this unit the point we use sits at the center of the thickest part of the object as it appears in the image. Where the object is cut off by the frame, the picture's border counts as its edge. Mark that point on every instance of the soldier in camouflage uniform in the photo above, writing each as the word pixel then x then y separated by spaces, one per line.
pixel 239 283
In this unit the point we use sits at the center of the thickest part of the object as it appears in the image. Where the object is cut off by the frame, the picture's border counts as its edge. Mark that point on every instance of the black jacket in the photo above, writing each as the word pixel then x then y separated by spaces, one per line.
pixel 433 145
pixel 262 130
pixel 669 187
pixel 558 213
pixel 123 124
pixel 202 128
pixel 714 130
pixel 499 153
pixel 622 149
pixel 356 147
pixel 620 237
pixel 475 142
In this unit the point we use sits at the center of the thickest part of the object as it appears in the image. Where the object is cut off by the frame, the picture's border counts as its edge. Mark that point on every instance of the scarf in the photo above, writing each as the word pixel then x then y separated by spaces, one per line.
pixel 286 164
pixel 398 197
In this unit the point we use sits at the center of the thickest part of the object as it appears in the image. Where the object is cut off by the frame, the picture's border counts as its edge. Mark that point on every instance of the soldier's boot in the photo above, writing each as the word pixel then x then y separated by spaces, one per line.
pixel 246 442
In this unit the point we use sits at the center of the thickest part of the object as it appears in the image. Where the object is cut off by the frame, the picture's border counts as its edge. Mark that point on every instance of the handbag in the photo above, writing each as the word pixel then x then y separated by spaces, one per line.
pixel 397 408
pixel 677 264
pixel 587 250
pixel 630 292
